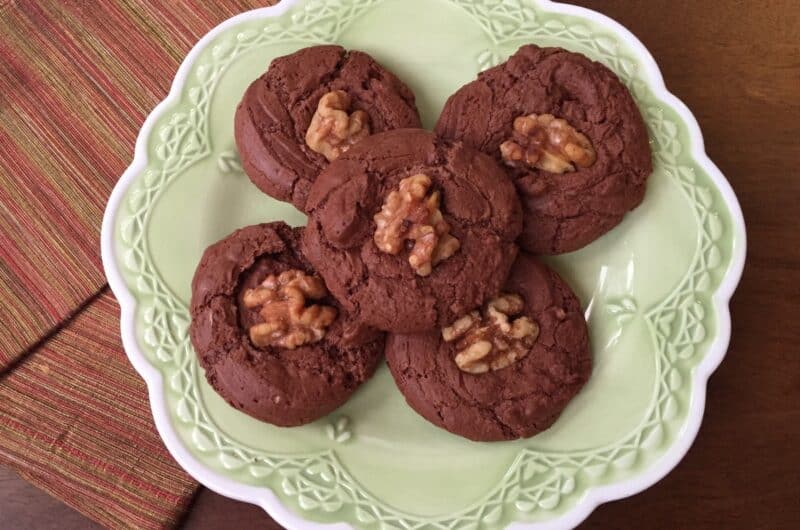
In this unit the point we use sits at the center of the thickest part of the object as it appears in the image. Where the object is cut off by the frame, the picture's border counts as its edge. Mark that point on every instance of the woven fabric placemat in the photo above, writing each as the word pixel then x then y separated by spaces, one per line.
pixel 76 82
pixel 75 420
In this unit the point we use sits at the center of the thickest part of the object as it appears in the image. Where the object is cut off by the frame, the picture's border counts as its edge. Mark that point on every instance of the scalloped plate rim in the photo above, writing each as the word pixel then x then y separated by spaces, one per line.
pixel 264 497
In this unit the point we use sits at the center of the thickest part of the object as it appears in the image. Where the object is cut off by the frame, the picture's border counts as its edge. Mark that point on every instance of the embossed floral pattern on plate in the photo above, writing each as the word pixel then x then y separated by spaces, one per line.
pixel 675 330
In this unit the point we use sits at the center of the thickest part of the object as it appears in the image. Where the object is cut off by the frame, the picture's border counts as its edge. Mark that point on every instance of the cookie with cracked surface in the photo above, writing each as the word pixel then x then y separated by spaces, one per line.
pixel 568 210
pixel 467 198
pixel 518 400
pixel 283 147
pixel 312 358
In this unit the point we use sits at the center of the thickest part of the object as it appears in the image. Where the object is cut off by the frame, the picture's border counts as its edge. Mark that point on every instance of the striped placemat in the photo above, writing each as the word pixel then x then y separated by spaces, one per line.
pixel 76 82
pixel 76 421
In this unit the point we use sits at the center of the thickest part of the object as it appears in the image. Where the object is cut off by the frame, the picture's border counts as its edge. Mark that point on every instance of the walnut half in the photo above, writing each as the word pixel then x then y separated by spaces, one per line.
pixel 412 213
pixel 332 131
pixel 288 321
pixel 491 341
pixel 547 143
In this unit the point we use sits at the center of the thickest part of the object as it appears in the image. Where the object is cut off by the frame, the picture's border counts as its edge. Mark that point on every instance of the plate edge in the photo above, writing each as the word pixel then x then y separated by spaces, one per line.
pixel 595 495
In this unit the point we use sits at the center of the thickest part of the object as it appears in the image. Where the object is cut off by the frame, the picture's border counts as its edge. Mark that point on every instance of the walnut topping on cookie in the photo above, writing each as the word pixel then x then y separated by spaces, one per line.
pixel 492 341
pixel 412 213
pixel 288 321
pixel 547 143
pixel 332 130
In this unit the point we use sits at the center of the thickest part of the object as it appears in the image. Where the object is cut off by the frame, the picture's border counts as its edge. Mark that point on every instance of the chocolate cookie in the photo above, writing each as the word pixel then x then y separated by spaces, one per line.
pixel 311 105
pixel 536 360
pixel 272 342
pixel 571 136
pixel 409 231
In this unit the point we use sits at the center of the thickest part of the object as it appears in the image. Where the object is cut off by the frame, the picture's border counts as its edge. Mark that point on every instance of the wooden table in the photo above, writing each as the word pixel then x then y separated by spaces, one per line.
pixel 737 66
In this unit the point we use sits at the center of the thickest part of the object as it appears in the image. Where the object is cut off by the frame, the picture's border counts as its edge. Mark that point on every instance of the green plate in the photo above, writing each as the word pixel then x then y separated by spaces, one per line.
pixel 655 289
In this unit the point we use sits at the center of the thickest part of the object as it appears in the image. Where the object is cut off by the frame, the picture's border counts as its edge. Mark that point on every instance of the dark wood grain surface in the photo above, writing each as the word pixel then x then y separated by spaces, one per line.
pixel 736 64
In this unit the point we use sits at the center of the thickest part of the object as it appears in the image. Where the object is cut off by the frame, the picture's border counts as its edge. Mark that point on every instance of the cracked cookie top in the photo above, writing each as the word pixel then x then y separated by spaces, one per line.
pixel 410 232
pixel 307 109
pixel 271 339
pixel 569 134
pixel 517 398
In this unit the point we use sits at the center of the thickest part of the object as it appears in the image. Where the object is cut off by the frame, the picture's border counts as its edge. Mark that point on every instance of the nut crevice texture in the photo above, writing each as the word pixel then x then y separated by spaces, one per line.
pixel 332 130
pixel 545 142
pixel 411 213
pixel 288 322
pixel 488 339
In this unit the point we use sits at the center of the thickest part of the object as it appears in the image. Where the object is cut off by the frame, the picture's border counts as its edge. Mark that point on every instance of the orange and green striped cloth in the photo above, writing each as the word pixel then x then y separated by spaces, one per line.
pixel 77 79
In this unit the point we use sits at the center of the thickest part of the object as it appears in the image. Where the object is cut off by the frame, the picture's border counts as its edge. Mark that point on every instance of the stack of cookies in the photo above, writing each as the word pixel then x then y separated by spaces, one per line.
pixel 420 246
